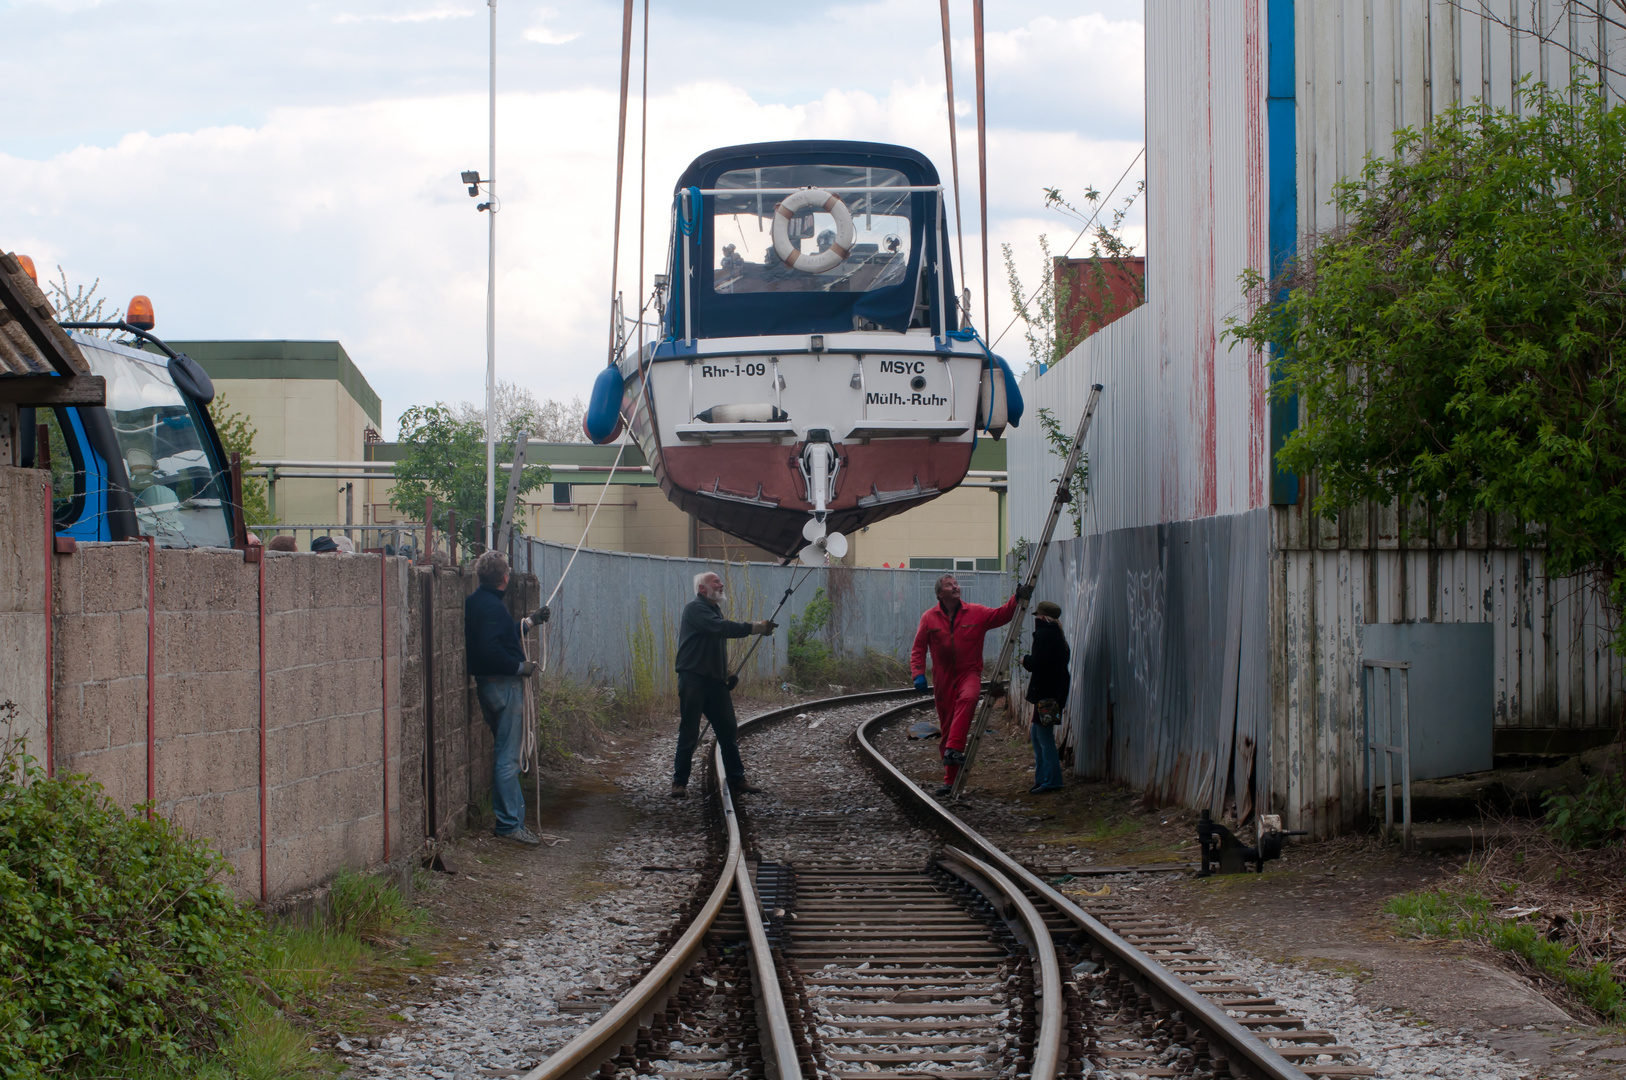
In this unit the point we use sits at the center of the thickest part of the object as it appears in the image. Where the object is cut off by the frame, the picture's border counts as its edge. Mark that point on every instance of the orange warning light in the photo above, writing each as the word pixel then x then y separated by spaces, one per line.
pixel 139 313
pixel 28 268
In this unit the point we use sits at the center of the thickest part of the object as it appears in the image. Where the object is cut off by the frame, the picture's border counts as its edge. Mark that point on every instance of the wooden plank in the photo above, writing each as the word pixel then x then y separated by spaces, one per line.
pixel 53 390
pixel 27 305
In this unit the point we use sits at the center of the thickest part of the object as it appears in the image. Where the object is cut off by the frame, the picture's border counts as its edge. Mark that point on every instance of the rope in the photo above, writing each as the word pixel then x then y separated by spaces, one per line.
pixel 620 162
pixel 689 223
pixel 954 142
pixel 1074 244
pixel 982 152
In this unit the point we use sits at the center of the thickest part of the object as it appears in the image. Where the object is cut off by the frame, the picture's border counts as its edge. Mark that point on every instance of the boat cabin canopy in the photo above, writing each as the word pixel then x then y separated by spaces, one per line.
pixel 768 256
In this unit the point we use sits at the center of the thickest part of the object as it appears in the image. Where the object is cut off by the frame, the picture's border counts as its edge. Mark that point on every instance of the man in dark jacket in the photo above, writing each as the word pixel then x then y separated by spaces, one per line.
pixel 1047 692
pixel 704 683
pixel 494 644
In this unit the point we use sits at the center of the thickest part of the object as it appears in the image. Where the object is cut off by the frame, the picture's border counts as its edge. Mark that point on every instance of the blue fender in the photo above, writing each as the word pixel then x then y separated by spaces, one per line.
pixel 1013 394
pixel 602 421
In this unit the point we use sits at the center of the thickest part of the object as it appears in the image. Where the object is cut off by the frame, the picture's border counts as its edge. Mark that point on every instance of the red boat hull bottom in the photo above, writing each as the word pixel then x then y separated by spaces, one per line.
pixel 756 491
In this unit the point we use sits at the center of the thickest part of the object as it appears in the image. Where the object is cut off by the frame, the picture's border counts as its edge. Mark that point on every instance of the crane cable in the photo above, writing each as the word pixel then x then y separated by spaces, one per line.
pixel 954 141
pixel 982 151
pixel 620 164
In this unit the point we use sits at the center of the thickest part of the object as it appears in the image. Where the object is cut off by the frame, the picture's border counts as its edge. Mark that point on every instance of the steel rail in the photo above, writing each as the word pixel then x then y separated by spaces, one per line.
pixel 582 1056
pixel 1247 1051
pixel 1052 1016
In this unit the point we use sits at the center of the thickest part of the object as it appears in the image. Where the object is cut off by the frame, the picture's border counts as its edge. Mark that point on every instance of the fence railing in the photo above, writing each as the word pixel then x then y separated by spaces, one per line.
pixel 402 538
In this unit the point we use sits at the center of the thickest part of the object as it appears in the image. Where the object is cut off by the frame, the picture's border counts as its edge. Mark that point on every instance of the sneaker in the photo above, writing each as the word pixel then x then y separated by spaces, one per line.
pixel 954 757
pixel 743 788
pixel 521 835
pixel 679 791
pixel 946 789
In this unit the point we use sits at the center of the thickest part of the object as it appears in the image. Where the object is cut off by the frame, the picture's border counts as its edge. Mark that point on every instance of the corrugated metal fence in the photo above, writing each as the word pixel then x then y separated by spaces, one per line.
pixel 616 617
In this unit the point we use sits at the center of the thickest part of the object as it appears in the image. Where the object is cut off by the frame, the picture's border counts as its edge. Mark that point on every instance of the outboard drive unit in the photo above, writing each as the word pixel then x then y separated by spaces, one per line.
pixel 1223 853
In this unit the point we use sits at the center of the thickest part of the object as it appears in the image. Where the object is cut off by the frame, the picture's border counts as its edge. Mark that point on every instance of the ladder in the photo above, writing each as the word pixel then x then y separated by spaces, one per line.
pixel 1002 666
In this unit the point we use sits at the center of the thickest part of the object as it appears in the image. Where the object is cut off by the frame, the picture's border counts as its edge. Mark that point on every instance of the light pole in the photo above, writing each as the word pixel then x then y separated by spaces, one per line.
pixel 472 178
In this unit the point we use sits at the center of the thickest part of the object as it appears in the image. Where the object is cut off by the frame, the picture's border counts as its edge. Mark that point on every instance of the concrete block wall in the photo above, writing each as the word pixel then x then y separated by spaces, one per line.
pixel 332 656
pixel 24 504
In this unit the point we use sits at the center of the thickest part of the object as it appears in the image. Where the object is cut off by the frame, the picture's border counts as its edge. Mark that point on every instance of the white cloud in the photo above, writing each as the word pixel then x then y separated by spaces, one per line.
pixel 430 14
pixel 347 220
pixel 540 33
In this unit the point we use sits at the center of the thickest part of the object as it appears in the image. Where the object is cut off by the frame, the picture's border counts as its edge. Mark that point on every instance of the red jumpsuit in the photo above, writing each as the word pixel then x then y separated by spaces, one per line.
pixel 956 649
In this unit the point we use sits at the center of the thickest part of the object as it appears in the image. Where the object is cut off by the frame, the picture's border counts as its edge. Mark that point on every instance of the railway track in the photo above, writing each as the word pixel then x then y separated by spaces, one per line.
pixel 856 929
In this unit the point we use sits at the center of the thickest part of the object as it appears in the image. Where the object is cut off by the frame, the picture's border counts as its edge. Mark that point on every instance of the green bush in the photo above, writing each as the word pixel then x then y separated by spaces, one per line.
pixel 116 934
pixel 809 657
pixel 1593 818
pixel 367 907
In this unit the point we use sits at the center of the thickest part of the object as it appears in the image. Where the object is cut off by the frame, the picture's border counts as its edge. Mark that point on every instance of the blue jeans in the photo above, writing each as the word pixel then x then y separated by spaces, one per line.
pixel 1046 762
pixel 502 702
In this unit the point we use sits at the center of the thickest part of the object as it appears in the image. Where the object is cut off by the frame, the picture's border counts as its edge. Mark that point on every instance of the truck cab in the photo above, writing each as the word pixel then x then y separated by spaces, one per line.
pixel 149 462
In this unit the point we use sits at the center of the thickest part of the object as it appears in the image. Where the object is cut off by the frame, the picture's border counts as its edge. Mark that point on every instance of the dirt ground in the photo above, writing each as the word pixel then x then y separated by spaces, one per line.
pixel 1319 906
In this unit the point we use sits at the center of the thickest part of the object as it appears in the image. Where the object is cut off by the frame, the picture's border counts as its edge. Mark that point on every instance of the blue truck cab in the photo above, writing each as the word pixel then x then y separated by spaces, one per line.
pixel 147 463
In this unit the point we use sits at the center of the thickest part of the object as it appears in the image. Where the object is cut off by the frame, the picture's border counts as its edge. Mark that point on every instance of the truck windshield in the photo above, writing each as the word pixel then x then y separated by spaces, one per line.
pixel 173 483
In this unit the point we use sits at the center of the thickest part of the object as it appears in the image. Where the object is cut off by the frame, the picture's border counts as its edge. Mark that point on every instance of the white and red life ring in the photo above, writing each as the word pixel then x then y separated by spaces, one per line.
pixel 820 261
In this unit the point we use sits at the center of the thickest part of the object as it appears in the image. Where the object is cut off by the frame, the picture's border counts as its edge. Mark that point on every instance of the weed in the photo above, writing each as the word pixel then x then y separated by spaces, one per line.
pixel 1442 913
pixel 366 907
pixel 1592 818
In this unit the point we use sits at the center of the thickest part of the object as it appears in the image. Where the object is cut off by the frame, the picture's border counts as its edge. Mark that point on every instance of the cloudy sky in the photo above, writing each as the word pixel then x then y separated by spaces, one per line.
pixel 290 170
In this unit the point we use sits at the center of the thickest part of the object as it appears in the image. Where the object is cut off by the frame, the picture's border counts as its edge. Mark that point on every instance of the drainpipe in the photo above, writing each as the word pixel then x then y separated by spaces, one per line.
pixel 50 588
pixel 152 636
pixel 264 794
pixel 384 677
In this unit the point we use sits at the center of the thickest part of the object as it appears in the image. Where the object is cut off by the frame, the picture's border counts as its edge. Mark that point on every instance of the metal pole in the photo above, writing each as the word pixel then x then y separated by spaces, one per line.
pixel 491 293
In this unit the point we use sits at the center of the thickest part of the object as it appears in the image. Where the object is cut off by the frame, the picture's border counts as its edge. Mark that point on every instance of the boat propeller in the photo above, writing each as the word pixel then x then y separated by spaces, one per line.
pixel 825 547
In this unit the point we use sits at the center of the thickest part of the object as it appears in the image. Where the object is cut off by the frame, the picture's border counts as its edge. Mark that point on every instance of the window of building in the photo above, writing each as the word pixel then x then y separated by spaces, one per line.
pixel 561 494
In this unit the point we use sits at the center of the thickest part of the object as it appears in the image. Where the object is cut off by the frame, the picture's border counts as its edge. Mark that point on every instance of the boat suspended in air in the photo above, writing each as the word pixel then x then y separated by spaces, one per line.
pixel 812 374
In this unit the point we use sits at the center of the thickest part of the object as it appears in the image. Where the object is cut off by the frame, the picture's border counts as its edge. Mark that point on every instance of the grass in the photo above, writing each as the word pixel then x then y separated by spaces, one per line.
pixel 295 971
pixel 1469 916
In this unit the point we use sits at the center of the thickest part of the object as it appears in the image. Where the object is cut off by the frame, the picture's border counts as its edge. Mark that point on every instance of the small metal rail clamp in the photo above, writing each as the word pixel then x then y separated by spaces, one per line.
pixel 1388 747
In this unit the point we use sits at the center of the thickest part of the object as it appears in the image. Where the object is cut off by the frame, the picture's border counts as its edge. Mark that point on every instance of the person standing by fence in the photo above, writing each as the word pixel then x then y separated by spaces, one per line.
pixel 704 684
pixel 495 648
pixel 952 631
pixel 1047 693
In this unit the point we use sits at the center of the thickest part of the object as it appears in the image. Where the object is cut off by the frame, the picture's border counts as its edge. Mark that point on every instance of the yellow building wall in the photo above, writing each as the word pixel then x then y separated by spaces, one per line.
pixel 303 420
pixel 963 523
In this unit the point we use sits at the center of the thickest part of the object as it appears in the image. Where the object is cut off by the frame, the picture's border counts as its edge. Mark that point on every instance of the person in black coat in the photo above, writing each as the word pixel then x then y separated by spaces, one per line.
pixel 495 649
pixel 704 683
pixel 1047 692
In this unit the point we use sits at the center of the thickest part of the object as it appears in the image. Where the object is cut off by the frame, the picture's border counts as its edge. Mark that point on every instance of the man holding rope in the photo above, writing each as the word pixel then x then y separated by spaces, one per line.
pixel 495 648
pixel 704 684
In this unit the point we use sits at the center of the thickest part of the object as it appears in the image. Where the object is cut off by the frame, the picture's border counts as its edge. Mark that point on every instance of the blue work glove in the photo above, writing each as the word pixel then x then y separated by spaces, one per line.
pixel 920 683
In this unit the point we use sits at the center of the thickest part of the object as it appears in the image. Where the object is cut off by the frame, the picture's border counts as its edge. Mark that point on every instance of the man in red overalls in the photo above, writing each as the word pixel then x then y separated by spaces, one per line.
pixel 953 631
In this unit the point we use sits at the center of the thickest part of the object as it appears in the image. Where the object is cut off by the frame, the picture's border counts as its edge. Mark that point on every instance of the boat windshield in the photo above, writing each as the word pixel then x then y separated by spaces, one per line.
pixel 877 200
pixel 172 481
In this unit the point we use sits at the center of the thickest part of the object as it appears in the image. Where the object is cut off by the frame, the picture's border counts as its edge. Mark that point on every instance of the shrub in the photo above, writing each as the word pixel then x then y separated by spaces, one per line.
pixel 808 656
pixel 1590 819
pixel 116 934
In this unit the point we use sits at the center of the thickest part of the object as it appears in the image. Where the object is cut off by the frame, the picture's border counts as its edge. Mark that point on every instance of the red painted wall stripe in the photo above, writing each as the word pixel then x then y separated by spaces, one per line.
pixel 152 636
pixel 50 668
pixel 264 794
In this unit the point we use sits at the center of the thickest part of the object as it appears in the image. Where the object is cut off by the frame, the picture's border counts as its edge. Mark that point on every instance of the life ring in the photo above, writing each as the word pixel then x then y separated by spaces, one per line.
pixel 820 261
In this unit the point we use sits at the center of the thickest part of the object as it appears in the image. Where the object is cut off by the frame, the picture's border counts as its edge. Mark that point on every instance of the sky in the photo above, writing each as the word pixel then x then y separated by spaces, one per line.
pixel 291 170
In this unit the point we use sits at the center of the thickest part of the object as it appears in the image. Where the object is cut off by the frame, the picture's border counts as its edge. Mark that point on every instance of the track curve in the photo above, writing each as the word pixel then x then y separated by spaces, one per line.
pixel 863 963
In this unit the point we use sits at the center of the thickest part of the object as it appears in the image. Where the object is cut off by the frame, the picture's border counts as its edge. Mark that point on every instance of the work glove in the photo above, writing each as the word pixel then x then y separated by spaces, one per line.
pixel 528 668
pixel 542 615
pixel 1024 592
pixel 765 627
pixel 731 682
pixel 920 683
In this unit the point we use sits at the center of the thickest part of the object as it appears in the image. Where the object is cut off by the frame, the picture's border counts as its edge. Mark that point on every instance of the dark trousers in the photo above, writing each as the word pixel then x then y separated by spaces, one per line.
pixel 699 695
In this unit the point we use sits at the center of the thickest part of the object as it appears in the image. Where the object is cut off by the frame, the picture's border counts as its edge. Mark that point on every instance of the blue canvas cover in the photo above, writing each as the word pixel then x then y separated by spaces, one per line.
pixel 887 301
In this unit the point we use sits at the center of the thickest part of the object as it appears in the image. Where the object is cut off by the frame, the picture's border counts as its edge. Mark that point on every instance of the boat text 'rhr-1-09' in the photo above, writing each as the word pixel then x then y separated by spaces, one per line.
pixel 812 374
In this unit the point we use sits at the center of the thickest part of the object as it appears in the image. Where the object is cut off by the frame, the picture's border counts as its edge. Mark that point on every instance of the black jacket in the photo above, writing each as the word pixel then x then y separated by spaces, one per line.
pixel 703 640
pixel 491 637
pixel 1048 662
